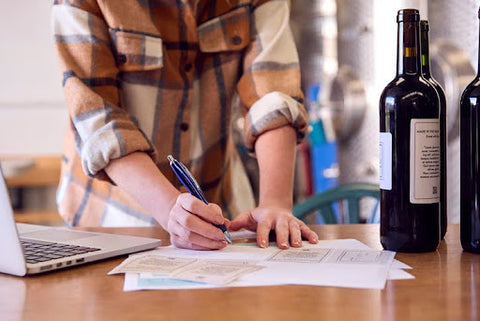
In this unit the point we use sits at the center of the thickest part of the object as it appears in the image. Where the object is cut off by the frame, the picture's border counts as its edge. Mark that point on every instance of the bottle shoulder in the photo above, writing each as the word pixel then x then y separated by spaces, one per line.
pixel 440 92
pixel 436 85
pixel 413 86
pixel 473 88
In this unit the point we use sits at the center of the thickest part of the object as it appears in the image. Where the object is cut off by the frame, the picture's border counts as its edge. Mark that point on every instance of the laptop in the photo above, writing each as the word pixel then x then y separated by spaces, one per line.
pixel 27 249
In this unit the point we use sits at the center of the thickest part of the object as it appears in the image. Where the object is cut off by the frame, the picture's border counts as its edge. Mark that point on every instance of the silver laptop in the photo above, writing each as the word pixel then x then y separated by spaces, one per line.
pixel 30 249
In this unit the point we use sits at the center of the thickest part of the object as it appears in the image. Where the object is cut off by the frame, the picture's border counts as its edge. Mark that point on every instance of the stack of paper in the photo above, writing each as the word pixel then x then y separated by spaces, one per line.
pixel 342 263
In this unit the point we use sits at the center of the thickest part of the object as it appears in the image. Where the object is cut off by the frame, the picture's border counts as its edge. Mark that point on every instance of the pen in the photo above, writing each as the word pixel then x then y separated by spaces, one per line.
pixel 192 186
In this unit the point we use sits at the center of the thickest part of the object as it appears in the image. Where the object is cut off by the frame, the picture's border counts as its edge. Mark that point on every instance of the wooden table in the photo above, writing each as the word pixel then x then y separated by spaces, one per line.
pixel 446 287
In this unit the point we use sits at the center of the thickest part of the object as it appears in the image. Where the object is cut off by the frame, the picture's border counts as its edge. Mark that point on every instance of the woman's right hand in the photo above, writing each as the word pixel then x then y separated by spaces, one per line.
pixel 190 224
pixel 186 218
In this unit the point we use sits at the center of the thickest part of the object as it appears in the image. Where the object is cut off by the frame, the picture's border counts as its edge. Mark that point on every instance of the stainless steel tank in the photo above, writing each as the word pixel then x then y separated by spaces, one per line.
pixel 457 22
pixel 454 51
pixel 314 28
pixel 357 133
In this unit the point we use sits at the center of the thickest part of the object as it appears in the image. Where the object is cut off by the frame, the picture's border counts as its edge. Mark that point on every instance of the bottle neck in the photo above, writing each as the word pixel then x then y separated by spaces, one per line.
pixel 408 46
pixel 478 66
pixel 424 45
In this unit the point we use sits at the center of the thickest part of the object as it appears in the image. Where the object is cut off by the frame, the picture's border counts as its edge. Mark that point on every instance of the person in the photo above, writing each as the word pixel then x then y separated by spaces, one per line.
pixel 145 79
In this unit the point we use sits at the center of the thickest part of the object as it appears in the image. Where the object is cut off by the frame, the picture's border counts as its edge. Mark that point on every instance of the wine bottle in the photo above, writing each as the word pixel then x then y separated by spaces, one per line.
pixel 424 45
pixel 469 164
pixel 409 149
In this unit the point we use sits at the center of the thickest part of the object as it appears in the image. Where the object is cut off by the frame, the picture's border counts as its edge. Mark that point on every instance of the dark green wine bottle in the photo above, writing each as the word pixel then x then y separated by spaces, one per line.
pixel 424 44
pixel 470 164
pixel 409 149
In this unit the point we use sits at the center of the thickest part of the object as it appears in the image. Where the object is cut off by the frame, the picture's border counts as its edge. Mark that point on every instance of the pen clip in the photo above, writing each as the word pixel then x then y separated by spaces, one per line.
pixel 190 177
pixel 186 178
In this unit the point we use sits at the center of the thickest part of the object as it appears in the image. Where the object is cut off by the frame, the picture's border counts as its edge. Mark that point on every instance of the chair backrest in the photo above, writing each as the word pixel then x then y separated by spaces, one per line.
pixel 349 194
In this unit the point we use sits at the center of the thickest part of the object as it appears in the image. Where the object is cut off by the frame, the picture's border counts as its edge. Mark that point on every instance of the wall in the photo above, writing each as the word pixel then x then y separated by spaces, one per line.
pixel 32 111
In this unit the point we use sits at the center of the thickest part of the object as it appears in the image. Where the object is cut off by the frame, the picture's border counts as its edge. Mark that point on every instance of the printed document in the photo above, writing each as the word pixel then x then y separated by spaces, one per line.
pixel 342 263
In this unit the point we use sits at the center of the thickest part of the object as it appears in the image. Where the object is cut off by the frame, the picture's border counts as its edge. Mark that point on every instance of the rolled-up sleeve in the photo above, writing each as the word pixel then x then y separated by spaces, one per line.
pixel 270 86
pixel 103 129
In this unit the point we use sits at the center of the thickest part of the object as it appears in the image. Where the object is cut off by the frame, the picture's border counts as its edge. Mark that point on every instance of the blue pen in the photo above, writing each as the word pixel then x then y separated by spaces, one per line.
pixel 192 186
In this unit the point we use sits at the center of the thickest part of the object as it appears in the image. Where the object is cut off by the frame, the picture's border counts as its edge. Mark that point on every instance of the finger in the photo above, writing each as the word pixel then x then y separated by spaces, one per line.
pixel 282 231
pixel 308 234
pixel 208 212
pixel 184 238
pixel 263 230
pixel 217 211
pixel 184 244
pixel 295 234
pixel 181 219
pixel 227 223
pixel 244 220
pixel 195 224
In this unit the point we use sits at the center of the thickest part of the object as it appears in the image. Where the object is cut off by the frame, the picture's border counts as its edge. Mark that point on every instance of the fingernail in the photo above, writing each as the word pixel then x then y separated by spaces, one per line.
pixel 284 245
pixel 263 244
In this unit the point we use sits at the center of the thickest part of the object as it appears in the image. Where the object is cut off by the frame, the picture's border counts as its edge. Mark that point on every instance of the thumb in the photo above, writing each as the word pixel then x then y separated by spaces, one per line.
pixel 244 220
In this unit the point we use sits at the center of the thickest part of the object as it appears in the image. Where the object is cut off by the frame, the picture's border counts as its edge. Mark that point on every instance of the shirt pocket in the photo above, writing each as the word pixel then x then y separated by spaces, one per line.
pixel 136 51
pixel 230 31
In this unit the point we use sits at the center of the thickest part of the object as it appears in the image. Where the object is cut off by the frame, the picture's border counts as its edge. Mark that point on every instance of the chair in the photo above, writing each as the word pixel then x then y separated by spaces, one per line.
pixel 343 198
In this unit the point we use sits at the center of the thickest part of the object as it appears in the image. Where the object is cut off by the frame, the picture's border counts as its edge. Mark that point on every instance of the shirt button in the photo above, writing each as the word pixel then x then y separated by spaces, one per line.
pixel 184 127
pixel 188 67
pixel 236 40
pixel 122 59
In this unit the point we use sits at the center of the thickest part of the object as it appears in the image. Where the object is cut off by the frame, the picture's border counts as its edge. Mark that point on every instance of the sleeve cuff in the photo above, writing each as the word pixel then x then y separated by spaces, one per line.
pixel 110 142
pixel 274 110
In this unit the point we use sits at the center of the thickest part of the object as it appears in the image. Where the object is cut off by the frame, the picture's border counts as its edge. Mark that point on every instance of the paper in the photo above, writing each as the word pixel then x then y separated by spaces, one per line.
pixel 216 271
pixel 135 281
pixel 151 263
pixel 342 263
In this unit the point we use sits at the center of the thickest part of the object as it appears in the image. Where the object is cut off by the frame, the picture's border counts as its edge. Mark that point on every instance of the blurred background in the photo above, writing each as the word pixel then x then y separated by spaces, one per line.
pixel 347 51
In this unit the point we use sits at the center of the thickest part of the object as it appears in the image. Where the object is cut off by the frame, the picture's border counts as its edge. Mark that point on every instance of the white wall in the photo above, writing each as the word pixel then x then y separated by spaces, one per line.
pixel 32 111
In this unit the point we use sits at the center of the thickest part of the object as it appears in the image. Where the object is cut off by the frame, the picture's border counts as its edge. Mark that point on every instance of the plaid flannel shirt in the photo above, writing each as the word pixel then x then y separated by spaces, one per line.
pixel 162 77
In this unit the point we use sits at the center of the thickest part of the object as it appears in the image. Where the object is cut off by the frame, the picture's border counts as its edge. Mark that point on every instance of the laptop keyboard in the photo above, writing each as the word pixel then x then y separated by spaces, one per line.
pixel 40 251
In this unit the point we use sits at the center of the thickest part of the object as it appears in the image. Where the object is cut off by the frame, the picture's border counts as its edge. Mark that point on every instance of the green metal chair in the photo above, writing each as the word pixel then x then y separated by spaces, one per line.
pixel 344 197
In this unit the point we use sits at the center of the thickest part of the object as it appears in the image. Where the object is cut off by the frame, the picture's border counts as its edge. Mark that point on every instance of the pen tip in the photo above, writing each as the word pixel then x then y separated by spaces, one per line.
pixel 170 158
pixel 228 237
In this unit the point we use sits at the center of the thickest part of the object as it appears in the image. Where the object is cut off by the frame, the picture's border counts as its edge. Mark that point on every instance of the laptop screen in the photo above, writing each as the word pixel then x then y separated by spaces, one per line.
pixel 11 254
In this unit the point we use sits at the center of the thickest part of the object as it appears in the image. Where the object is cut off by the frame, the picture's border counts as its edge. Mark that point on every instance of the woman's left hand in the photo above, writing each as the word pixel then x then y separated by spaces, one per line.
pixel 289 230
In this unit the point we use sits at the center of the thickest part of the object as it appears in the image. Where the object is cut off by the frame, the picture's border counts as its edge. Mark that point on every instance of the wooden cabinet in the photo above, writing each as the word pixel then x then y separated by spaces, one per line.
pixel 27 175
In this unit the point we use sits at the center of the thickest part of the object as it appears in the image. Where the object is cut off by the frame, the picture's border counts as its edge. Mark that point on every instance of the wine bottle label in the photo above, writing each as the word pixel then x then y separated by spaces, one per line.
pixel 385 155
pixel 424 161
